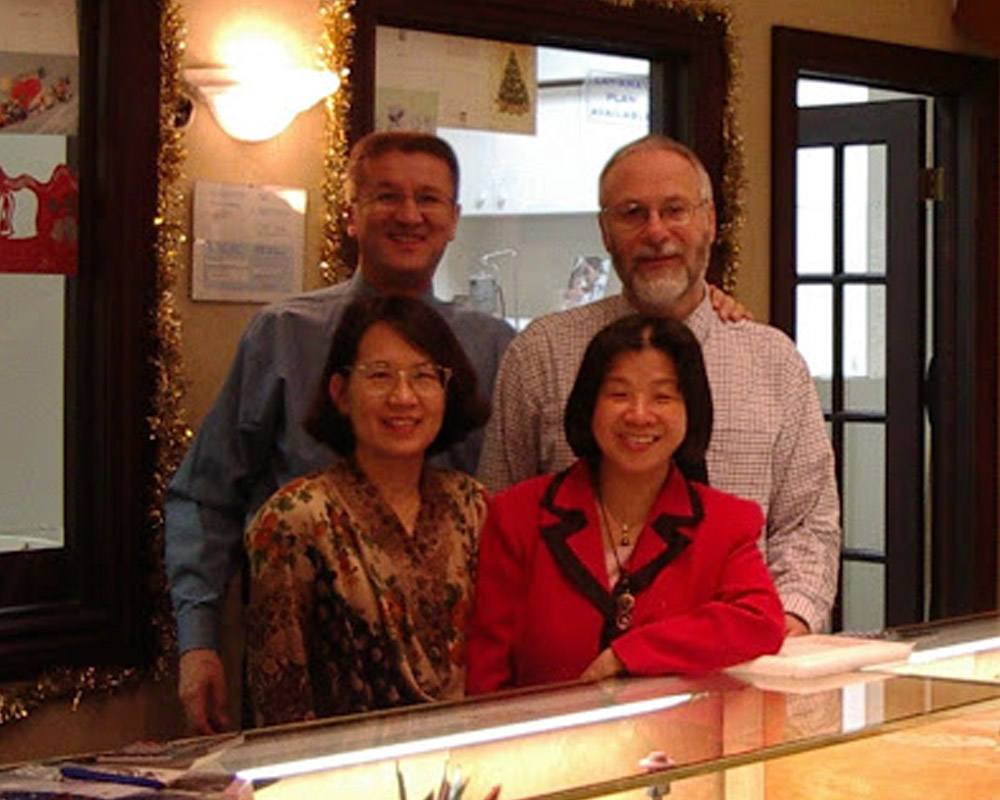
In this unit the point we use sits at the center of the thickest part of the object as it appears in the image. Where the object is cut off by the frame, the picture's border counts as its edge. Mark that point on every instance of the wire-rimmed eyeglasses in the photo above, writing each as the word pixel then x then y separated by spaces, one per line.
pixel 632 215
pixel 428 203
pixel 378 378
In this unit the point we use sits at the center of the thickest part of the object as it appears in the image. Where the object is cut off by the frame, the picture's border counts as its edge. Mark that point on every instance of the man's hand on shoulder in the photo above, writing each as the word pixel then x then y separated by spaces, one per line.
pixel 201 686
pixel 727 307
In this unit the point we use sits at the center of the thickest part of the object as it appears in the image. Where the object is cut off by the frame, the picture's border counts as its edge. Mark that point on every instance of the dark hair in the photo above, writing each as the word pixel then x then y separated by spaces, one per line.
pixel 632 333
pixel 421 326
pixel 377 144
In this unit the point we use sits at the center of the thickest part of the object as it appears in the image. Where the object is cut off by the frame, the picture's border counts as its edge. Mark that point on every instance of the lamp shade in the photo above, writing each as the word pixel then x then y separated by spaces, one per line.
pixel 255 106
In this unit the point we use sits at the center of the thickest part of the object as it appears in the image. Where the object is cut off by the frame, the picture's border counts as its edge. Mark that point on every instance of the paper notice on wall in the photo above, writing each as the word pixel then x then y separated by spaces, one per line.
pixel 248 242
pixel 476 83
pixel 617 99
pixel 38 26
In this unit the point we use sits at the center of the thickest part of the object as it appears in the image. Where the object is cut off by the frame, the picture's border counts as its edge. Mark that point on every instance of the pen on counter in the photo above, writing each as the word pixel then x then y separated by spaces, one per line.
pixel 79 772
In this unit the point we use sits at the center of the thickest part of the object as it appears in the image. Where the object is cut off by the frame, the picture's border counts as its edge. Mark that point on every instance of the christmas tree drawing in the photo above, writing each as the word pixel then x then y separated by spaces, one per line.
pixel 513 95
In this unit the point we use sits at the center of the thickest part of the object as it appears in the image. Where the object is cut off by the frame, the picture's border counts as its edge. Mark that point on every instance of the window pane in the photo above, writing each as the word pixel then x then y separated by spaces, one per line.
pixel 864 485
pixel 864 348
pixel 864 596
pixel 814 335
pixel 812 92
pixel 864 208
pixel 814 211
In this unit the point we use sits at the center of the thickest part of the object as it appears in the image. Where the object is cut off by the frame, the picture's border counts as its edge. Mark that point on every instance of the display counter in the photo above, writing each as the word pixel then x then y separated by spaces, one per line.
pixel 966 649
pixel 926 727
pixel 874 732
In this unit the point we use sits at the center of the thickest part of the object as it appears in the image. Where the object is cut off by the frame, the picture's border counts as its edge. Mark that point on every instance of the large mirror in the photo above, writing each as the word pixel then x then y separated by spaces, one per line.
pixel 77 457
pixel 530 179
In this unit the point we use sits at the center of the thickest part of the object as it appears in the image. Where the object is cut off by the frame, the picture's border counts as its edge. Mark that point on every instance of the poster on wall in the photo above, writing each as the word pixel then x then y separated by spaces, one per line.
pixel 38 222
pixel 248 242
pixel 38 94
pixel 454 82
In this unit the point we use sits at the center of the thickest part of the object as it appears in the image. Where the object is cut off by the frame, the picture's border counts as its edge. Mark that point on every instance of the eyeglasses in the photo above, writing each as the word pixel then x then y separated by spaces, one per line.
pixel 379 378
pixel 632 216
pixel 428 203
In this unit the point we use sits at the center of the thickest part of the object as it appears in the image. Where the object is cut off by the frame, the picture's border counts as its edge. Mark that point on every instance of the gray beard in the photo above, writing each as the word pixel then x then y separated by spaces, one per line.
pixel 660 294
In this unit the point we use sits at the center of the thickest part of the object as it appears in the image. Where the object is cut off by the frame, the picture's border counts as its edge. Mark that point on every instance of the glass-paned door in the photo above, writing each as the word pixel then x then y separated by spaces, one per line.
pixel 859 322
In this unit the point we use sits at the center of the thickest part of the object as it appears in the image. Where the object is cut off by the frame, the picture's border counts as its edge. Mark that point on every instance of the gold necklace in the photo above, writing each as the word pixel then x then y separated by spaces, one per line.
pixel 621 591
pixel 624 527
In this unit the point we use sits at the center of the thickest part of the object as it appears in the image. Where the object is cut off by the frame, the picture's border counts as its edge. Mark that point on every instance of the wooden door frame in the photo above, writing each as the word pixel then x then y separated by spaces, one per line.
pixel 965 90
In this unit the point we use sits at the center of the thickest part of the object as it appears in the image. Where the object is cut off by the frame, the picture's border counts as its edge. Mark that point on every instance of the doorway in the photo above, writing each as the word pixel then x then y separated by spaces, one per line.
pixel 875 257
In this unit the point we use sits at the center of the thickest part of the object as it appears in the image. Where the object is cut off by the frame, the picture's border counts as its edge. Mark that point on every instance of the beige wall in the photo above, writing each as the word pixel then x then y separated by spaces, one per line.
pixel 211 330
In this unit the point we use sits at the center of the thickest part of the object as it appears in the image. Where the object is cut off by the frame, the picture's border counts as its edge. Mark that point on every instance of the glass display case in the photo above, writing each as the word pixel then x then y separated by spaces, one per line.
pixel 929 726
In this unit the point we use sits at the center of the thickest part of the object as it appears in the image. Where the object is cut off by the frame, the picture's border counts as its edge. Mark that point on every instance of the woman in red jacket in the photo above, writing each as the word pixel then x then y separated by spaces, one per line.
pixel 627 562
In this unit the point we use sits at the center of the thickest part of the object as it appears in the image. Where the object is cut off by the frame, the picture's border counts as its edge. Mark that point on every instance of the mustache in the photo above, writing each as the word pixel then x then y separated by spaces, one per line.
pixel 665 250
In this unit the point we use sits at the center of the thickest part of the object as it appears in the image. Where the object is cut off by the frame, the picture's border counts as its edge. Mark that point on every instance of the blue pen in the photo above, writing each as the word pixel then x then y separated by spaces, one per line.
pixel 78 772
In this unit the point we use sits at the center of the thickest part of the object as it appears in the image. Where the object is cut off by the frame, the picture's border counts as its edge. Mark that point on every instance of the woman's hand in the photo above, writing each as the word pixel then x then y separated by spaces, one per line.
pixel 604 666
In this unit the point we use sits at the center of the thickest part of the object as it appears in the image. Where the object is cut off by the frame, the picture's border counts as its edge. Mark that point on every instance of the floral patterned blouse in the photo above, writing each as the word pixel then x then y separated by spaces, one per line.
pixel 348 611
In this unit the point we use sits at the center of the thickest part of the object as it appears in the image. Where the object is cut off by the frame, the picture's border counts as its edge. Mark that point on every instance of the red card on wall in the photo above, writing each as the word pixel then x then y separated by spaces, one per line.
pixel 48 244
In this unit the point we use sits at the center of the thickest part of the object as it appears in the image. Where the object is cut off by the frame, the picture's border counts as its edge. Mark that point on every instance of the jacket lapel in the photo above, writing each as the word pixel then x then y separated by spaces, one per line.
pixel 580 558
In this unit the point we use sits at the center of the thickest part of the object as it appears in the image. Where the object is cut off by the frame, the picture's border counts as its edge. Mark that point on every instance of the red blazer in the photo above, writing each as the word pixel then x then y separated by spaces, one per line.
pixel 544 610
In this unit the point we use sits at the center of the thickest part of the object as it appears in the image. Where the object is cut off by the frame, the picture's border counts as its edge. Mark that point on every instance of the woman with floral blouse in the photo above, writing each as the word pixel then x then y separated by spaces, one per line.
pixel 361 574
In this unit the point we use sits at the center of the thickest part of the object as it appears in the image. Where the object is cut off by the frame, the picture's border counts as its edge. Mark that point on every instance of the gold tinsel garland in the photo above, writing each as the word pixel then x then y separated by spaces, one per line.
pixel 337 49
pixel 336 52
pixel 166 423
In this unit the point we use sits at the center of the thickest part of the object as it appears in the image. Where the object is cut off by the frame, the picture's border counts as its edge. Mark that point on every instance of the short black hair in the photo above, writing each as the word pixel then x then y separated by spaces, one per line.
pixel 376 144
pixel 632 333
pixel 421 326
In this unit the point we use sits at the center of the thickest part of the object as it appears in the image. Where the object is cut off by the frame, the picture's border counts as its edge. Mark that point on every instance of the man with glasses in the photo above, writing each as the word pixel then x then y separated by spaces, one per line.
pixel 403 190
pixel 768 442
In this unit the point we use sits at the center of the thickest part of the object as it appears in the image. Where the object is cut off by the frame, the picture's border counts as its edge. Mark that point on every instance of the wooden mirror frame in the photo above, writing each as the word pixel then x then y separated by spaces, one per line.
pixel 88 603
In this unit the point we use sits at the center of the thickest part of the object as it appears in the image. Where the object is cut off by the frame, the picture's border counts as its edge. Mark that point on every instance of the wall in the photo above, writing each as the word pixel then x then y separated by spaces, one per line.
pixel 211 330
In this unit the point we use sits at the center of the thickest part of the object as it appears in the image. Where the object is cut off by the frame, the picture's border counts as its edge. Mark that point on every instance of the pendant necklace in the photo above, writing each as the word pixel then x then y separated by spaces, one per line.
pixel 624 527
pixel 624 600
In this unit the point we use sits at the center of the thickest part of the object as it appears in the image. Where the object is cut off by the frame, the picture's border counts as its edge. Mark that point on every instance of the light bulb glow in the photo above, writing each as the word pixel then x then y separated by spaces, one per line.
pixel 255 105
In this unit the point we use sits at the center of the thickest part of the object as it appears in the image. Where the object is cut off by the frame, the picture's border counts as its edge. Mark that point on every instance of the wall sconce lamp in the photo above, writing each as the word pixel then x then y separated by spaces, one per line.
pixel 253 106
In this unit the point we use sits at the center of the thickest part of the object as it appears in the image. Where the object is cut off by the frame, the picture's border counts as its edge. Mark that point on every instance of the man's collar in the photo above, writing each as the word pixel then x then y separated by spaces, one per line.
pixel 361 287
pixel 699 321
